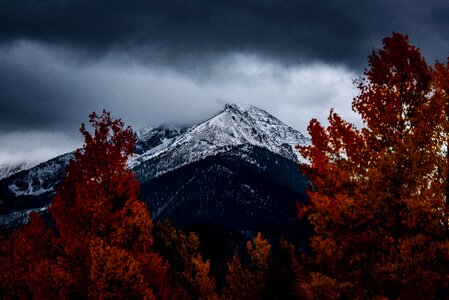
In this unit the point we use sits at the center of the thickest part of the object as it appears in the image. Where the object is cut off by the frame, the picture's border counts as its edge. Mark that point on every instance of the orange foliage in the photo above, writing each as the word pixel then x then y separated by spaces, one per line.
pixel 379 204
pixel 189 274
pixel 379 207
pixel 286 272
pixel 249 281
pixel 102 244
pixel 26 256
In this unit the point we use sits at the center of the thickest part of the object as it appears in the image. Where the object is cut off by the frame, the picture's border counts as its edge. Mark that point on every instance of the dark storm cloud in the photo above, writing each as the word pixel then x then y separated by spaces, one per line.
pixel 42 88
pixel 45 89
pixel 188 33
pixel 176 62
pixel 33 92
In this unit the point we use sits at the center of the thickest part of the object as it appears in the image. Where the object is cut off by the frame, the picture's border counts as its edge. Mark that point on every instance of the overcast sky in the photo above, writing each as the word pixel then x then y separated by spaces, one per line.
pixel 178 62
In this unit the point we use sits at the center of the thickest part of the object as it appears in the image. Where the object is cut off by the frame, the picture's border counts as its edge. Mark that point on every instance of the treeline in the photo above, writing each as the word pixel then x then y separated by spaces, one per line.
pixel 378 207
pixel 99 243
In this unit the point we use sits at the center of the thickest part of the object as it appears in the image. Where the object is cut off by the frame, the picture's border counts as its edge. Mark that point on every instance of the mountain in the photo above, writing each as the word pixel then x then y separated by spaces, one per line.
pixel 9 170
pixel 30 190
pixel 236 171
pixel 235 125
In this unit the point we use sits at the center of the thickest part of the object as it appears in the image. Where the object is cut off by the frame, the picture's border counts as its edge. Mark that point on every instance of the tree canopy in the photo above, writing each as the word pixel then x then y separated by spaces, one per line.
pixel 101 243
pixel 378 206
pixel 380 194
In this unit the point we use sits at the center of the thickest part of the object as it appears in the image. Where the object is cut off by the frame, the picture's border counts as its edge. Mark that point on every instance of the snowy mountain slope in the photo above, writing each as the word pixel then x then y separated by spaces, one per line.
pixel 39 179
pixel 9 170
pixel 162 150
pixel 246 189
pixel 151 140
pixel 235 125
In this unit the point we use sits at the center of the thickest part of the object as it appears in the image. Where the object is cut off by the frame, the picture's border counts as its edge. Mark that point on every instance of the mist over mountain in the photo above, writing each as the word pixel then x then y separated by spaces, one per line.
pixel 7 170
pixel 236 171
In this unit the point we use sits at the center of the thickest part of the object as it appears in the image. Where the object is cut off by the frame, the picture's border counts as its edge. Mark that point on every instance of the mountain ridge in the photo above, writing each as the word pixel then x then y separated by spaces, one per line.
pixel 7 170
pixel 162 150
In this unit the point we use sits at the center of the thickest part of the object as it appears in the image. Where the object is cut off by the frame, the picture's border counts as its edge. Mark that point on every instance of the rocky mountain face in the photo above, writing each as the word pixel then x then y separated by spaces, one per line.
pixel 236 171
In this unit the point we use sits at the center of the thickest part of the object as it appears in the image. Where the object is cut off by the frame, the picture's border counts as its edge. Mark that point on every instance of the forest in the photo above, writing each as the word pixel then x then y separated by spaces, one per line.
pixel 377 205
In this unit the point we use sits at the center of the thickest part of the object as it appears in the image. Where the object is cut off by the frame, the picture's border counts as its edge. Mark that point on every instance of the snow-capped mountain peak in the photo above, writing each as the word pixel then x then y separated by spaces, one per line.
pixel 238 125
pixel 162 149
pixel 252 125
pixel 238 131
pixel 235 125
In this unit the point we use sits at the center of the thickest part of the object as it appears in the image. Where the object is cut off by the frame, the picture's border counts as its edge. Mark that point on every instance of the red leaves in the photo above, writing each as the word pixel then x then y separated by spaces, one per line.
pixel 102 244
pixel 25 258
pixel 248 282
pixel 379 209
pixel 189 274
pixel 396 88
pixel 377 191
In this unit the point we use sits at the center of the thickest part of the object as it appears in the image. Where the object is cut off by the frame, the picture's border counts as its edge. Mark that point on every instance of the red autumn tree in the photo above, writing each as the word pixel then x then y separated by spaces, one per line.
pixel 286 272
pixel 379 199
pixel 441 94
pixel 101 246
pixel 248 281
pixel 25 257
pixel 104 231
pixel 189 274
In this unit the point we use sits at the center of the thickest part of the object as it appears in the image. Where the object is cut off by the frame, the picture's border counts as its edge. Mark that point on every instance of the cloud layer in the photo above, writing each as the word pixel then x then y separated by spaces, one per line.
pixel 53 93
pixel 177 62
pixel 185 33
